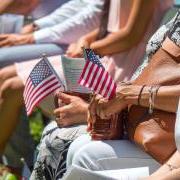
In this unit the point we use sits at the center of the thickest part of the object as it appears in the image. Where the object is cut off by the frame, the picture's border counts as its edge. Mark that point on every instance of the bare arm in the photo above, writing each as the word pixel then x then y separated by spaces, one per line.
pixel 18 6
pixel 165 172
pixel 167 98
pixel 122 40
pixel 131 34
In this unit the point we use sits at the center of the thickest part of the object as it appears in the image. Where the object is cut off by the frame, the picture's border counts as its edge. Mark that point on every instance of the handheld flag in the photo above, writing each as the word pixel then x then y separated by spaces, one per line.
pixel 95 77
pixel 41 82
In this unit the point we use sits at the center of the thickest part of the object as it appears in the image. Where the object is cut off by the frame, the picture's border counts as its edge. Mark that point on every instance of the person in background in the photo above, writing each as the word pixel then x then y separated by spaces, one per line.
pixel 50 33
pixel 34 9
pixel 75 109
pixel 13 150
pixel 164 43
pixel 9 74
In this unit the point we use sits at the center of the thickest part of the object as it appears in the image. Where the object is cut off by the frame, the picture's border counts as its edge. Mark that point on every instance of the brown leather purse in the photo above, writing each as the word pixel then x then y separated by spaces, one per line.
pixel 155 132
pixel 109 128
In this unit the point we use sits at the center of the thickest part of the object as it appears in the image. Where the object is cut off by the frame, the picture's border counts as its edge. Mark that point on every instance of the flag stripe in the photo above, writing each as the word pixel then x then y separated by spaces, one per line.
pixel 32 90
pixel 42 94
pixel 95 77
pixel 88 75
pixel 41 90
pixel 27 86
pixel 41 82
pixel 104 89
pixel 108 87
pixel 84 71
pixel 103 82
pixel 87 72
pixel 35 103
pixel 99 79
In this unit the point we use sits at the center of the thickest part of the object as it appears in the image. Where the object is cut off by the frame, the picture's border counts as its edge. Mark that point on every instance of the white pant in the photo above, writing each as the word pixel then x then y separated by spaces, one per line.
pixel 106 155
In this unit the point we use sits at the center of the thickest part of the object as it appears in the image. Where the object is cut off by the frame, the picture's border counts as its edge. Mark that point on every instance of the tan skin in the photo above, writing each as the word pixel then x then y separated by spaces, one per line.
pixel 66 114
pixel 127 37
pixel 113 43
pixel 18 7
pixel 128 95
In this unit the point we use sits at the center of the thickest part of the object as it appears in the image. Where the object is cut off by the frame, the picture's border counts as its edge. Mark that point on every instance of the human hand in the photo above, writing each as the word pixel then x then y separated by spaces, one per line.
pixel 103 128
pixel 75 49
pixel 74 110
pixel 130 93
pixel 104 108
pixel 7 40
pixel 29 28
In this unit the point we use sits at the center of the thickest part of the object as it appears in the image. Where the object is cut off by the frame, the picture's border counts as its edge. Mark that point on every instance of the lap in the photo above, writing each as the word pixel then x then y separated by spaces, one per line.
pixel 10 55
pixel 111 154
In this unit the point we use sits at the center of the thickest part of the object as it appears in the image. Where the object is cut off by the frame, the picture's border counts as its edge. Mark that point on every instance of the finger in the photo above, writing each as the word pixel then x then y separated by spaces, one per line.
pixel 56 100
pixel 4 43
pixel 89 127
pixel 94 107
pixel 3 36
pixel 63 109
pixel 100 136
pixel 66 98
pixel 63 122
pixel 92 110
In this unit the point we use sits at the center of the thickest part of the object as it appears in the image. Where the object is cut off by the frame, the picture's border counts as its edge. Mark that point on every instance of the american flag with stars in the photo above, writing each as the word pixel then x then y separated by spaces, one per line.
pixel 41 82
pixel 95 77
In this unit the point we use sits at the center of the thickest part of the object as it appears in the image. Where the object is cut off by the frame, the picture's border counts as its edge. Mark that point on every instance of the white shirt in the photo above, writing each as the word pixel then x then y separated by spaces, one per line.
pixel 46 7
pixel 69 22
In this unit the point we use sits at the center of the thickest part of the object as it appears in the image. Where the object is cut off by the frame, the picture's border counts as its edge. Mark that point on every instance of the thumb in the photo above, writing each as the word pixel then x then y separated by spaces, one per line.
pixel 66 98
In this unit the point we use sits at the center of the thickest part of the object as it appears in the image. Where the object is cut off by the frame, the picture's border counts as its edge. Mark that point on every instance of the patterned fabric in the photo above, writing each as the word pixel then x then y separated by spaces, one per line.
pixel 52 151
pixel 171 30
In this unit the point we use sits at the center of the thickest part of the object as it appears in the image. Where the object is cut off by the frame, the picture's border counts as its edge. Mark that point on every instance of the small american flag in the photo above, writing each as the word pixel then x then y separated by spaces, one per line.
pixel 95 77
pixel 41 82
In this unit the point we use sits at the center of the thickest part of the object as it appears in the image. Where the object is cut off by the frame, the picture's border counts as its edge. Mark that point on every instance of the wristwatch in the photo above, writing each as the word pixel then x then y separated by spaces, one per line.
pixel 35 26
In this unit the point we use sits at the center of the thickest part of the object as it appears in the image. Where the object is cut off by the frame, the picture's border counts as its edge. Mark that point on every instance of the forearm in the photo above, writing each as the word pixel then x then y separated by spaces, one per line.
pixel 165 172
pixel 18 6
pixel 114 43
pixel 167 98
pixel 129 35
pixel 4 5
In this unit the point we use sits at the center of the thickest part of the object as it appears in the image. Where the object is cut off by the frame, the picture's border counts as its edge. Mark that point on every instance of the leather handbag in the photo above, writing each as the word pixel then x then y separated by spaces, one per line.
pixel 155 132
pixel 111 129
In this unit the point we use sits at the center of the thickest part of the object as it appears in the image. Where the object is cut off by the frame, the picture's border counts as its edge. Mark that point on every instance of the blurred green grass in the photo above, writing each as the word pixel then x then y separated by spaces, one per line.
pixel 36 126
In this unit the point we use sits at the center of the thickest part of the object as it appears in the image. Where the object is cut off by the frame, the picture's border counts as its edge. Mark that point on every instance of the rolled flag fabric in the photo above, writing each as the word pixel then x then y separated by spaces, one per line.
pixel 95 77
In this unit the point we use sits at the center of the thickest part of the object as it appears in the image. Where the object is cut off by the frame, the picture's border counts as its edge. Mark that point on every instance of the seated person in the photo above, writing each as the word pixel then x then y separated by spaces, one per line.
pixel 10 82
pixel 75 110
pixel 55 29
pixel 12 150
pixel 123 153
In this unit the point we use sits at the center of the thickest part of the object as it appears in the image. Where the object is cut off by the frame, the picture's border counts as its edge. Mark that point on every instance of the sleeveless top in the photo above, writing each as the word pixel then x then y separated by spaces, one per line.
pixel 122 65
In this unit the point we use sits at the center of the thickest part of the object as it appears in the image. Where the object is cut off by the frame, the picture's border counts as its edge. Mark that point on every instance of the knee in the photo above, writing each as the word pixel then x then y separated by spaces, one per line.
pixel 7 72
pixel 86 158
pixel 12 89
